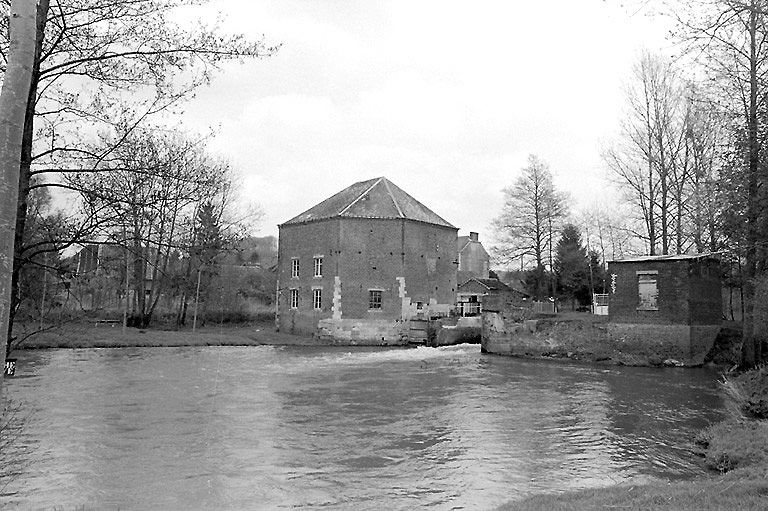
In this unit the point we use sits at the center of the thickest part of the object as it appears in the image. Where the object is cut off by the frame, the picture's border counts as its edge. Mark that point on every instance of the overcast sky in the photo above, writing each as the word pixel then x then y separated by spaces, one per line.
pixel 446 99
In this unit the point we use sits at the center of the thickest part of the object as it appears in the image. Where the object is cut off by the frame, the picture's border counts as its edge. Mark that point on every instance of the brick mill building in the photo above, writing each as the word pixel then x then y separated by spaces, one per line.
pixel 358 266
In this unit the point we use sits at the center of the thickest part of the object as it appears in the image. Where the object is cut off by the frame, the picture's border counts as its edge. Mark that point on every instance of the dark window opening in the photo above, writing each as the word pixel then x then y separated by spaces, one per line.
pixel 374 299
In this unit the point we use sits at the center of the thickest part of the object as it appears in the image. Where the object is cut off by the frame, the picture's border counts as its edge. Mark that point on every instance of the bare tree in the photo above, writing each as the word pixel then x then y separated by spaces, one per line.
pixel 98 62
pixel 608 231
pixel 729 39
pixel 649 159
pixel 530 217
pixel 154 189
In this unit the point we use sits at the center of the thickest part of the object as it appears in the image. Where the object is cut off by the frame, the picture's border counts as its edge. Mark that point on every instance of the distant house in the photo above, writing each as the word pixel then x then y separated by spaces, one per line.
pixel 473 260
pixel 476 294
pixel 673 301
pixel 360 264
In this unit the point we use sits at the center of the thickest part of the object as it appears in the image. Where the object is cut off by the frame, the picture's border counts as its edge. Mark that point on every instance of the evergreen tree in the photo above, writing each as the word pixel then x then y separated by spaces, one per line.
pixel 572 266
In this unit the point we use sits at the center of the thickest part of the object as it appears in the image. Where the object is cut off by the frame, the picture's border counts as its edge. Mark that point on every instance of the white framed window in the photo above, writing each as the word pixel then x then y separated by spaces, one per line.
pixel 647 290
pixel 295 267
pixel 374 298
pixel 318 266
pixel 294 298
pixel 317 298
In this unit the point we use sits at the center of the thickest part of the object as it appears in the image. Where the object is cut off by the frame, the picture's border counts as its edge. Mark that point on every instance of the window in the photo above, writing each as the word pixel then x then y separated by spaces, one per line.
pixel 294 298
pixel 318 266
pixel 647 290
pixel 374 299
pixel 294 267
pixel 317 299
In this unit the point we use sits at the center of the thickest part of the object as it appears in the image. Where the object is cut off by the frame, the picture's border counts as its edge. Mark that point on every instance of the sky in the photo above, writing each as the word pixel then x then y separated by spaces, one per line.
pixel 445 99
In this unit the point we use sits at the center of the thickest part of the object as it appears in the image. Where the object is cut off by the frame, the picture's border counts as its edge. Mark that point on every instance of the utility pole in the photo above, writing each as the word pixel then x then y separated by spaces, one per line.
pixel 197 299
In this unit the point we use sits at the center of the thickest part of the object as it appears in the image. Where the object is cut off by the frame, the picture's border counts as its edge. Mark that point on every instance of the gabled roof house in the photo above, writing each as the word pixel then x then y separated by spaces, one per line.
pixel 473 259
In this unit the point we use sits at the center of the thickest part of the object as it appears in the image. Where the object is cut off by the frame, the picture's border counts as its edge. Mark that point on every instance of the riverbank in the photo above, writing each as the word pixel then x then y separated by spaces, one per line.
pixel 110 335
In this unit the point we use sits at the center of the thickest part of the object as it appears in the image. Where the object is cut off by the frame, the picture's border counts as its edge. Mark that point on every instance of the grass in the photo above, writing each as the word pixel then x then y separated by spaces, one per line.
pixel 95 335
pixel 735 444
pixel 706 493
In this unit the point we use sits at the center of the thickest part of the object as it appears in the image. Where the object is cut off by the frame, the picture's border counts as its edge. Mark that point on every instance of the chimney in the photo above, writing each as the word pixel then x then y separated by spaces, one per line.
pixel 473 236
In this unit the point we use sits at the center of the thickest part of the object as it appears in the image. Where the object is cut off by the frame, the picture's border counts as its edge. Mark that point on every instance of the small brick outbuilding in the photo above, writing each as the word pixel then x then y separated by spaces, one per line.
pixel 671 304
pixel 356 267
pixel 476 295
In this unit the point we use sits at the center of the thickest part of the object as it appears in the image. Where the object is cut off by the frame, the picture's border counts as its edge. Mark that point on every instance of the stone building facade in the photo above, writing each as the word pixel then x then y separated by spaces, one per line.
pixel 358 266
pixel 473 259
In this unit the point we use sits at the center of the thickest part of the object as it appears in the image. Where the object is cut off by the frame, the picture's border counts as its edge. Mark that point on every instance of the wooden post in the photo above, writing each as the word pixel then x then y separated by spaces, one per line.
pixel 42 298
pixel 197 298
pixel 127 285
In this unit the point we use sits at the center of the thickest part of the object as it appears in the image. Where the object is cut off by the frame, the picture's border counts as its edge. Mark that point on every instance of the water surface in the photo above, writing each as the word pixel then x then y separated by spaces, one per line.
pixel 341 428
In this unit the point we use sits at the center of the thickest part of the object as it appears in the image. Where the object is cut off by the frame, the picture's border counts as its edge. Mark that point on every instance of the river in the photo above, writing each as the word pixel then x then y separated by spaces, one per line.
pixel 340 428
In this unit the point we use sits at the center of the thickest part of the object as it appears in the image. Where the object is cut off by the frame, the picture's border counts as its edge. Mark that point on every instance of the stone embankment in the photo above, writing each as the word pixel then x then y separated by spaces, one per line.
pixel 588 338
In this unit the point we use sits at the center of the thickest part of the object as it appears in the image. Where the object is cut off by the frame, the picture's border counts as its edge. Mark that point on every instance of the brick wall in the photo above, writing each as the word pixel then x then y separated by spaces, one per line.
pixel 706 301
pixel 408 261
pixel 305 241
pixel 673 292
pixel 371 258
pixel 689 292
pixel 430 272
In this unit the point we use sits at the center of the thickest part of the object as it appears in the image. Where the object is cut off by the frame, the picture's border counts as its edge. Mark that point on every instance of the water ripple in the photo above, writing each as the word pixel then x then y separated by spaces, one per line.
pixel 336 428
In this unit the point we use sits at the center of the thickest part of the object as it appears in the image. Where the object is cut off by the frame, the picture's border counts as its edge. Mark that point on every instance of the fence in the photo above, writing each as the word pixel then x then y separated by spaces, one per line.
pixel 600 304
pixel 544 307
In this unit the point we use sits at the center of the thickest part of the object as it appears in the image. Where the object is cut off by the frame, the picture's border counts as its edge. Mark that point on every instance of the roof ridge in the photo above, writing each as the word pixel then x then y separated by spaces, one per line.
pixel 361 196
pixel 392 196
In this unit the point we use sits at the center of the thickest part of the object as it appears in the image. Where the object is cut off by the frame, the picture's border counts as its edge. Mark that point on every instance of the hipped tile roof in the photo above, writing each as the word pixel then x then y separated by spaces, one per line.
pixel 374 198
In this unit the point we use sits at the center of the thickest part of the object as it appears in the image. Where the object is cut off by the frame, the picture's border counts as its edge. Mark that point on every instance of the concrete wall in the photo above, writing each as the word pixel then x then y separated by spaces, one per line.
pixel 362 332
pixel 626 343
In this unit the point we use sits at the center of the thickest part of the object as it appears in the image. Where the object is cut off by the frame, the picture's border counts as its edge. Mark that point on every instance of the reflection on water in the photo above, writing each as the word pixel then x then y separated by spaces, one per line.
pixel 279 427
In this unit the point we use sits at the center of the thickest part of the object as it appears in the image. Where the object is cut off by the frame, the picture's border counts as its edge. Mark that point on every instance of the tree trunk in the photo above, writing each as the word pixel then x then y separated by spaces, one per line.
pixel 749 348
pixel 13 102
pixel 25 167
pixel 139 283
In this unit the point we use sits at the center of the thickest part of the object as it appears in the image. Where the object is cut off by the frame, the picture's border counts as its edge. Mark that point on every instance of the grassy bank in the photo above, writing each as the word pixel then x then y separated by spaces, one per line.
pixel 735 451
pixel 105 335
pixel 743 493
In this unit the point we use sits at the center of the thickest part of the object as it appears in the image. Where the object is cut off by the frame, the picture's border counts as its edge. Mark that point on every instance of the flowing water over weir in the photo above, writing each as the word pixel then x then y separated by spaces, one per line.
pixel 341 428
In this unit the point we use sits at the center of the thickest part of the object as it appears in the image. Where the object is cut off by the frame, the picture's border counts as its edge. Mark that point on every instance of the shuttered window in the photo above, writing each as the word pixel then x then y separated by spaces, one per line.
pixel 647 291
